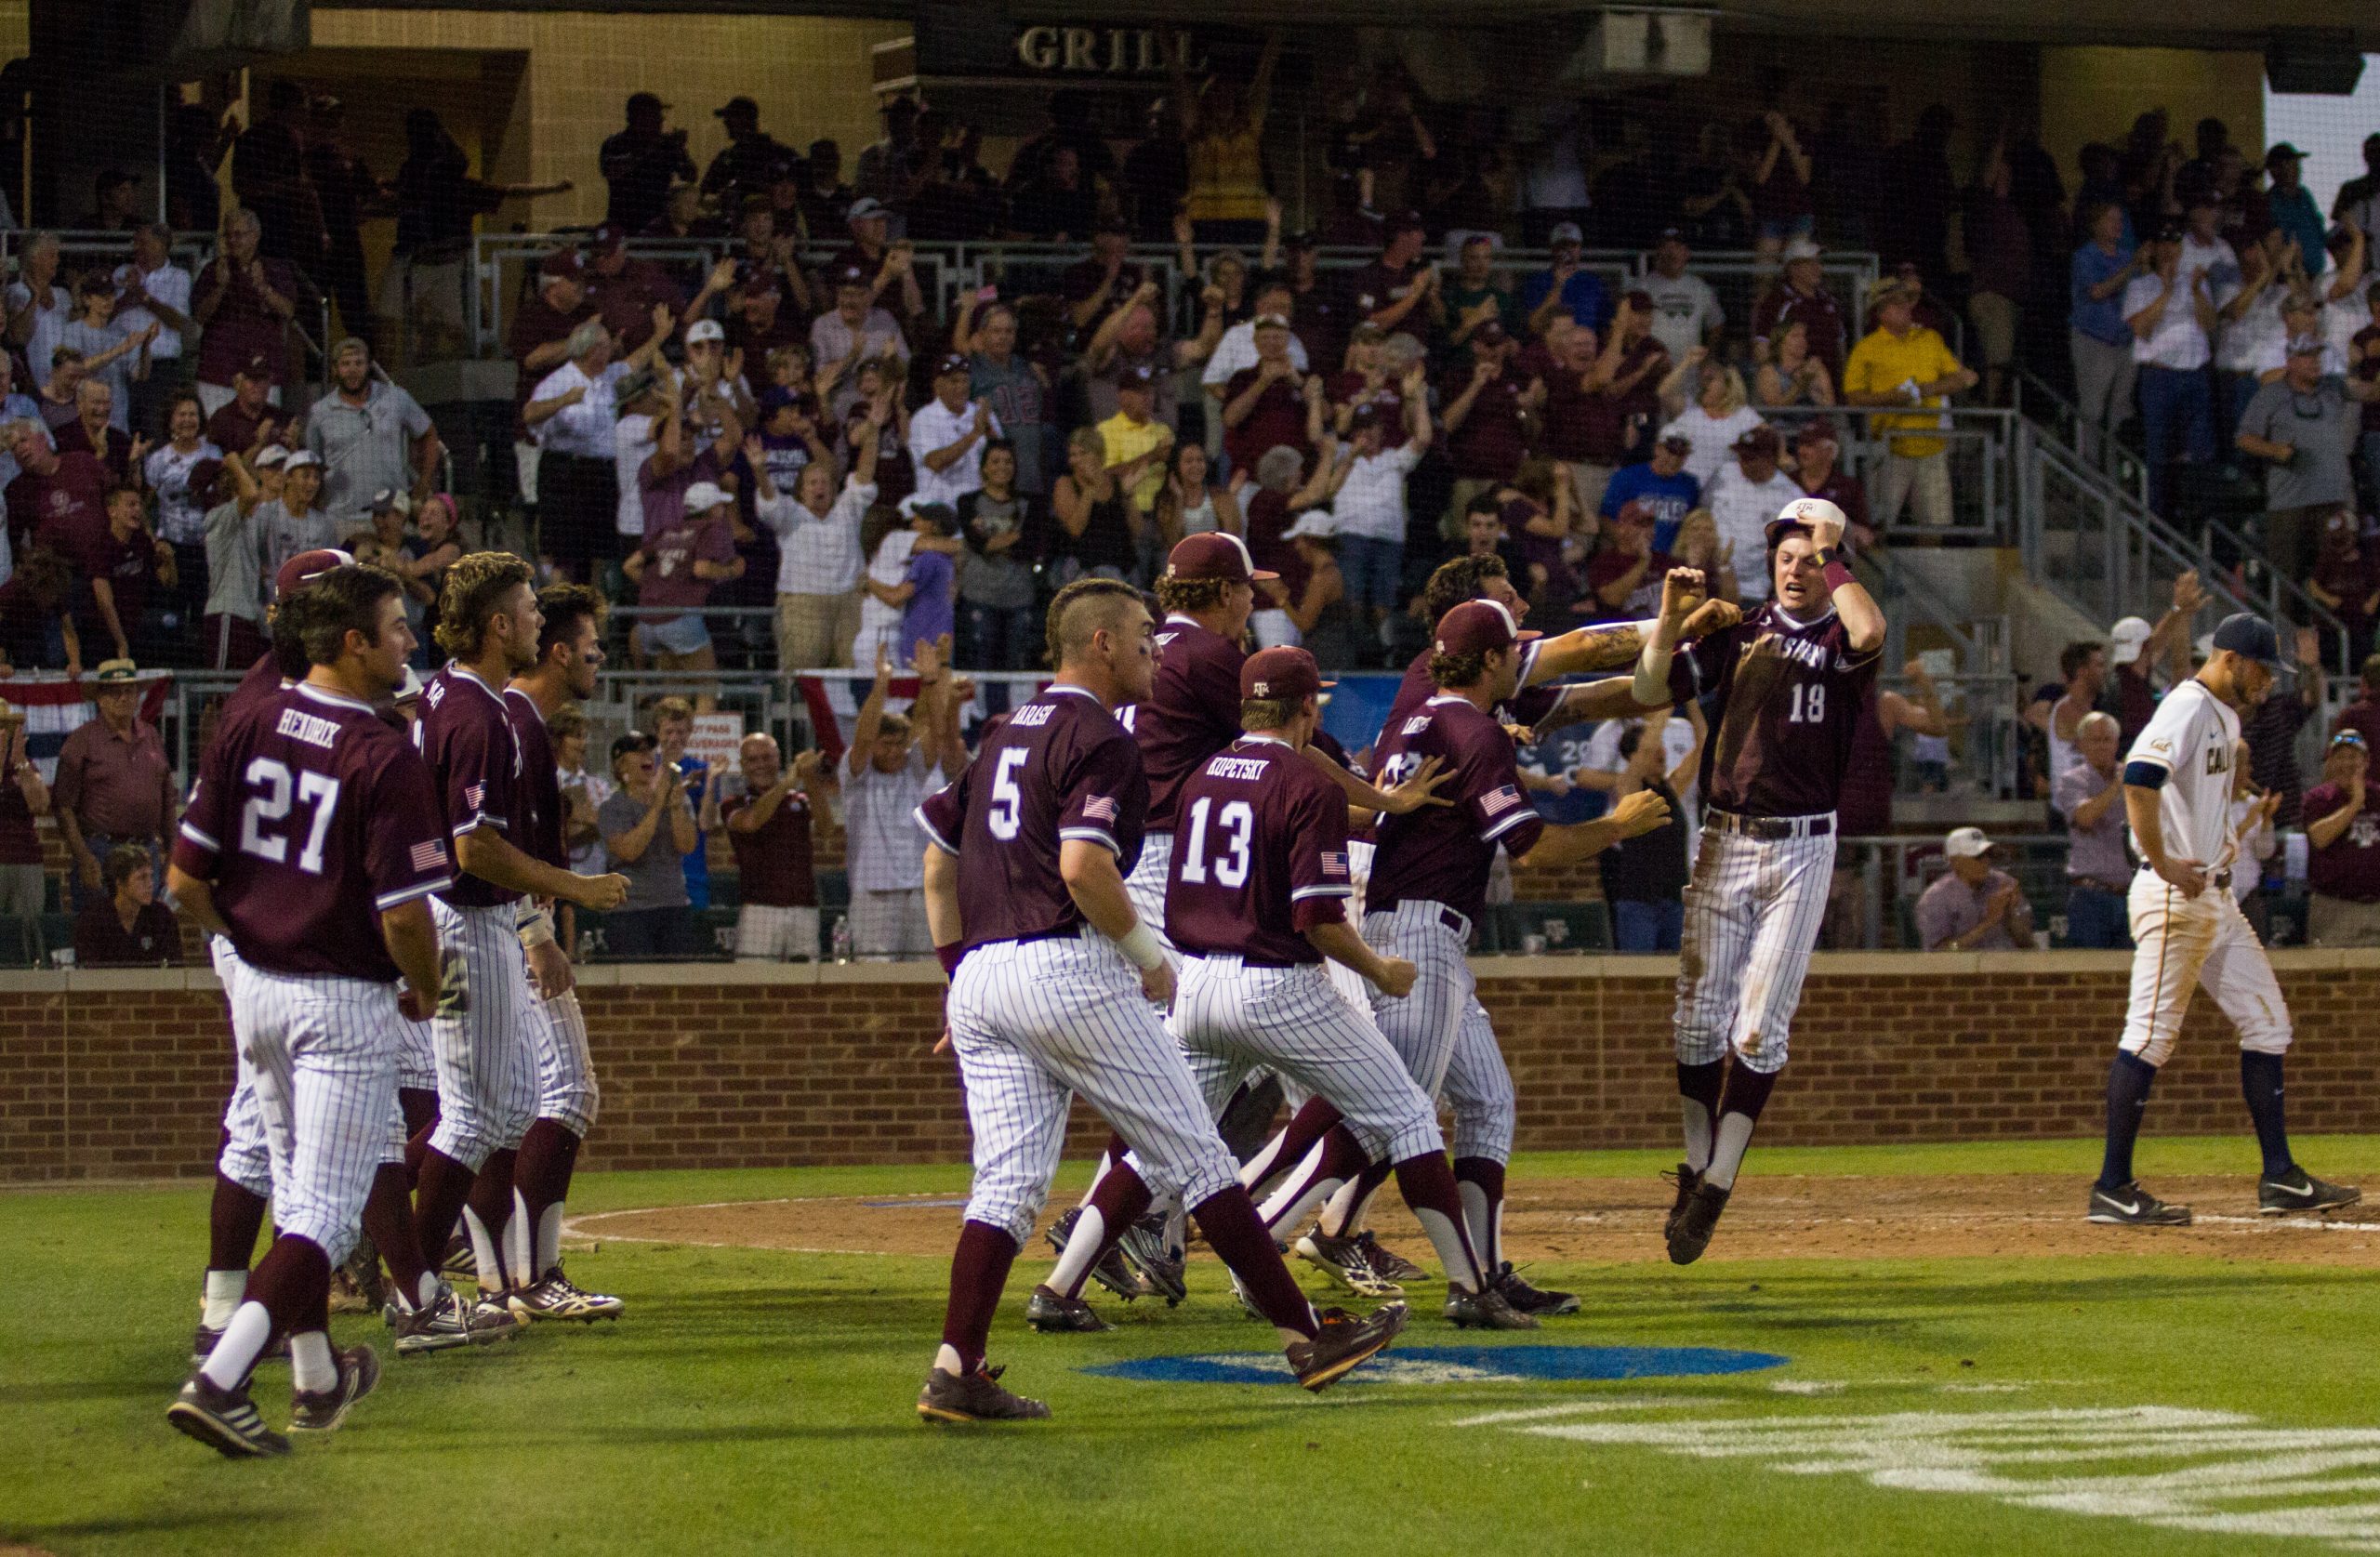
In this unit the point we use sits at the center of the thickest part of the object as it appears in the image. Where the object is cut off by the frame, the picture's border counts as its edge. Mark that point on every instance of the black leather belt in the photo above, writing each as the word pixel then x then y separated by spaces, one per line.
pixel 1247 961
pixel 1769 829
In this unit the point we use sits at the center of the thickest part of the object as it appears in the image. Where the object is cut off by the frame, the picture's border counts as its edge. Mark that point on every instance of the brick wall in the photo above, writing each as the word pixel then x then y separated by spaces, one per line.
pixel 122 1074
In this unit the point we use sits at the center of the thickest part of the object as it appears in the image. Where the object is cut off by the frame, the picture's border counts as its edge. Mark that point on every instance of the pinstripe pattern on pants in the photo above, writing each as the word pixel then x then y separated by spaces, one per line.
pixel 1422 1026
pixel 1146 887
pixel 566 1088
pixel 1479 1089
pixel 1229 1017
pixel 246 1159
pixel 1035 1022
pixel 417 1056
pixel 487 1078
pixel 324 1055
pixel 1753 912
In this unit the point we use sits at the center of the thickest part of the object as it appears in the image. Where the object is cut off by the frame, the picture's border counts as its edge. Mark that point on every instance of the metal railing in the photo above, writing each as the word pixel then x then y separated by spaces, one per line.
pixel 1976 439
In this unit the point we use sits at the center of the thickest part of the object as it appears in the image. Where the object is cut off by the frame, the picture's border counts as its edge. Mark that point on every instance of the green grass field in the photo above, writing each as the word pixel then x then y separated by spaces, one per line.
pixel 756 1401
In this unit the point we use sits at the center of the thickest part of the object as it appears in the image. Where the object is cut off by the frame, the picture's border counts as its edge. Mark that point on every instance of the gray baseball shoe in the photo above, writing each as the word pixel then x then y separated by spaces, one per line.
pixel 1052 1313
pixel 225 1420
pixel 974 1398
pixel 323 1410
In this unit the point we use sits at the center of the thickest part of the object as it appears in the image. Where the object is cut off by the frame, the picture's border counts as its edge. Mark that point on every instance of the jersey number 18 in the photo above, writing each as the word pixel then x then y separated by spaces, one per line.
pixel 1809 702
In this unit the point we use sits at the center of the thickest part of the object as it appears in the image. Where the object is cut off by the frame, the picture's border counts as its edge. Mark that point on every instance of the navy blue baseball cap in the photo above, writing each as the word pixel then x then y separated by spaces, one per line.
pixel 2250 636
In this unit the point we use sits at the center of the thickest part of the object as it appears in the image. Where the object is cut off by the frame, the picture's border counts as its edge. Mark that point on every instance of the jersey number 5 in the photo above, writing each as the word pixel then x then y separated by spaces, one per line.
pixel 270 785
pixel 1008 800
pixel 1234 825
pixel 1809 702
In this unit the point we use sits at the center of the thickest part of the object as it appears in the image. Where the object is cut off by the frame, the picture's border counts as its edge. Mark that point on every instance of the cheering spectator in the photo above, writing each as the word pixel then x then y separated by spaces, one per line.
pixel 1582 400
pixel 115 355
pixel 2084 667
pixel 2291 205
pixel 1485 405
pixel 15 406
pixel 1129 342
pixel 1644 877
pixel 1134 446
pixel 1901 362
pixel 768 826
pixel 1223 127
pixel 746 164
pixel 1789 373
pixel 58 500
pixel 818 553
pixel 647 825
pixel 1281 489
pixel 113 784
pixel 93 431
pixel 60 398
pixel 895 761
pixel 2097 336
pixel 583 792
pixel 1782 207
pixel 1315 612
pixel 295 522
pixel 129 928
pixel 1191 501
pixel 1800 296
pixel 675 569
pixel 1626 575
pixel 2145 660
pixel 1686 314
pixel 124 569
pixel 1369 503
pixel 2302 425
pixel 1697 544
pixel 1262 408
pixel 1662 483
pixel 1973 907
pixel 1400 285
pixel 244 305
pixel 1715 416
pixel 1565 287
pixel 1816 472
pixel 2172 319
pixel 539 335
pixel 37 610
pixel 1999 259
pixel 371 436
pixel 1276 297
pixel 1744 496
pixel 37 305
pixel 23 797
pixel 1017 391
pixel 2089 794
pixel 232 632
pixel 925 597
pixel 1535 511
pixel 248 422
pixel 1005 530
pixel 947 433
pixel 2343 852
pixel 182 471
pixel 855 331
pixel 673 730
pixel 1477 296
pixel 2271 732
pixel 573 415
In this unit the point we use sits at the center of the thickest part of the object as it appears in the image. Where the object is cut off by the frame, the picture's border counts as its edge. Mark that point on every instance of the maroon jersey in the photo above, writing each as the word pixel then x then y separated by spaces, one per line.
pixel 1787 705
pixel 1525 707
pixel 1059 767
pixel 311 818
pixel 1260 856
pixel 262 683
pixel 1442 853
pixel 1191 712
pixel 538 833
pixel 475 761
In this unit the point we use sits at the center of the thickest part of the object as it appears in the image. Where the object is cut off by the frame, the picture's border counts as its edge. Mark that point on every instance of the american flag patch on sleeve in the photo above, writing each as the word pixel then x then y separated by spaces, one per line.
pixel 1099 807
pixel 1334 862
pixel 475 795
pixel 1498 800
pixel 428 856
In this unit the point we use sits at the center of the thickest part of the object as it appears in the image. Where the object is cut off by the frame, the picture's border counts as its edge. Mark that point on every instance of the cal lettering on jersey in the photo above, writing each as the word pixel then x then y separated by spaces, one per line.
pixel 308 728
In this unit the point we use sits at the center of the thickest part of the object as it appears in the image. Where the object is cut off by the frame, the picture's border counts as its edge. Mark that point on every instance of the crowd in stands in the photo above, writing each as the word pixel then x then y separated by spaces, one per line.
pixel 805 435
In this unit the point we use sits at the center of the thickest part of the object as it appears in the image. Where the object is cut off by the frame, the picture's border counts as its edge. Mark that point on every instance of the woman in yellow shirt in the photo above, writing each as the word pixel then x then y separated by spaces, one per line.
pixel 1224 130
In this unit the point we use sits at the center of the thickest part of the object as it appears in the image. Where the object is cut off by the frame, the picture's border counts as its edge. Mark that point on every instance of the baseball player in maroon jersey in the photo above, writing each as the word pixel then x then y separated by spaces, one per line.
pixel 1429 880
pixel 1256 902
pixel 569 653
pixel 312 841
pixel 1785 689
pixel 487 1078
pixel 1054 973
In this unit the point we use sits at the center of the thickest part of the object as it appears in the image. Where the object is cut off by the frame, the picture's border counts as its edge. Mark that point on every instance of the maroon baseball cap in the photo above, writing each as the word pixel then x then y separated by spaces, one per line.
pixel 562 265
pixel 1761 440
pixel 1479 626
pixel 1286 674
pixel 1216 554
pixel 609 236
pixel 308 566
pixel 258 367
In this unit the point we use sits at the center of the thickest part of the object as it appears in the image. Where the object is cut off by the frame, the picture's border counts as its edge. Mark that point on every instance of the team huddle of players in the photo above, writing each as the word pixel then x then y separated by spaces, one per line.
pixel 379 864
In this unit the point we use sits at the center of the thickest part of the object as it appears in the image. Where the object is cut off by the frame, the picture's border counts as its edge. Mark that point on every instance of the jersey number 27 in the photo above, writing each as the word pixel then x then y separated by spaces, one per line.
pixel 270 786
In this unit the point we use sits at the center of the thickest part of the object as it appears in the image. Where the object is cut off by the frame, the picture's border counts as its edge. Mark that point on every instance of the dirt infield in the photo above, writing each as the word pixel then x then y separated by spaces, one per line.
pixel 1618 1220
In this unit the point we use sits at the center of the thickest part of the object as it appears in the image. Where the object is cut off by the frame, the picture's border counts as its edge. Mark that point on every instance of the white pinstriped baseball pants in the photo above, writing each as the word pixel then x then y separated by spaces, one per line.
pixel 487 1077
pixel 246 1159
pixel 417 1056
pixel 1036 1021
pixel 1479 1088
pixel 566 1089
pixel 1146 887
pixel 1421 1027
pixel 1753 912
pixel 324 1056
pixel 1229 1017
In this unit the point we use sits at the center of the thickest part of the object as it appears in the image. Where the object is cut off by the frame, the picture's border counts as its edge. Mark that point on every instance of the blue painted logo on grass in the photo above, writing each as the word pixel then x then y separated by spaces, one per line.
pixel 1455 1365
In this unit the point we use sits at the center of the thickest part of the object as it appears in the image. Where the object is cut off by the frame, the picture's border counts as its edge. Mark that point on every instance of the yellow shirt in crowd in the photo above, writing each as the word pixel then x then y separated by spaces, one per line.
pixel 1884 362
pixel 1125 441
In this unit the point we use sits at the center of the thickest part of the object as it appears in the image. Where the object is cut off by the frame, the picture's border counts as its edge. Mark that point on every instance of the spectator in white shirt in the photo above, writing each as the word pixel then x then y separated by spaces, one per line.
pixel 1743 497
pixel 2249 324
pixel 640 400
pixel 153 290
pixel 2205 252
pixel 1686 311
pixel 1715 418
pixel 1236 349
pixel 38 307
pixel 2171 317
pixel 818 554
pixel 1369 505
pixel 946 435
pixel 894 762
pixel 571 416
pixel 854 331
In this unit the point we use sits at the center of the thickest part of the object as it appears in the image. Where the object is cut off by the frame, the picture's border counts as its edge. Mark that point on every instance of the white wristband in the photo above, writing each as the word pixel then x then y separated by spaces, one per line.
pixel 1650 685
pixel 1142 945
pixel 535 924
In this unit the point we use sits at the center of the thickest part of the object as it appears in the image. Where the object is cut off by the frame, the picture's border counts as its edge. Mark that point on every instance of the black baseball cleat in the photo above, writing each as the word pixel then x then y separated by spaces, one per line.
pixel 1529 1299
pixel 2135 1206
pixel 1344 1343
pixel 1691 1233
pixel 323 1410
pixel 1687 1179
pixel 2299 1191
pixel 1490 1309
pixel 1144 1250
pixel 1052 1313
pixel 1387 1263
pixel 225 1420
pixel 974 1398
pixel 1111 1271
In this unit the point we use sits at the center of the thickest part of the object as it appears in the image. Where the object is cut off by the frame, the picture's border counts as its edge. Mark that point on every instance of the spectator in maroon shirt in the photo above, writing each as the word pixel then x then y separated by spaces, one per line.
pixel 539 339
pixel 23 797
pixel 57 500
pixel 1262 406
pixel 2343 848
pixel 123 569
pixel 248 421
pixel 1801 296
pixel 244 305
pixel 626 290
pixel 2000 257
pixel 37 608
pixel 1399 290
pixel 1815 452
pixel 1370 378
pixel 93 432
pixel 1537 510
pixel 1485 404
pixel 1582 427
pixel 760 323
pixel 1281 489
pixel 1624 577
pixel 129 928
pixel 768 826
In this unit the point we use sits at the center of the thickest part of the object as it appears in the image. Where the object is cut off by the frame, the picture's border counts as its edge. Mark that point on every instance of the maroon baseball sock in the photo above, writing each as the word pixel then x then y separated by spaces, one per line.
pixel 1285 1151
pixel 1238 1234
pixel 1482 1182
pixel 233 1220
pixel 978 1274
pixel 1343 1218
pixel 1120 1198
pixel 419 1106
pixel 1428 1186
pixel 1740 1106
pixel 1313 1179
pixel 1698 1092
pixel 438 1192
pixel 387 1219
pixel 541 1173
pixel 491 1202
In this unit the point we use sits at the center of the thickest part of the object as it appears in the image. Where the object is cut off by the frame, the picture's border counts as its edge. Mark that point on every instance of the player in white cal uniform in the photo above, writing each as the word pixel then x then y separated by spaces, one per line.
pixel 2188 931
